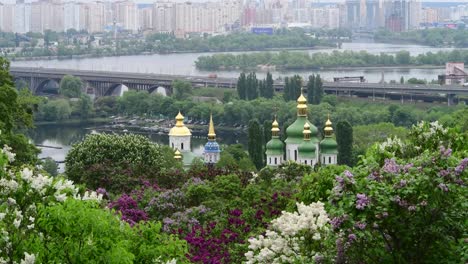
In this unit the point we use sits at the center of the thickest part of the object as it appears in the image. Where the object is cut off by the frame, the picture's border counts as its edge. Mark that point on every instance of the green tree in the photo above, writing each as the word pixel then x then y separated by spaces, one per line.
pixel 116 162
pixel 344 138
pixel 403 58
pixel 269 86
pixel 295 87
pixel 182 89
pixel 402 80
pixel 318 94
pixel 311 89
pixel 286 89
pixel 71 86
pixel 50 166
pixel 242 86
pixel 256 143
pixel 252 86
pixel 85 106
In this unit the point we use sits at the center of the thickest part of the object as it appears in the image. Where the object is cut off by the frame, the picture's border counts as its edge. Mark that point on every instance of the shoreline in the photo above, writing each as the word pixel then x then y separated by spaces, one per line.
pixel 279 68
pixel 87 56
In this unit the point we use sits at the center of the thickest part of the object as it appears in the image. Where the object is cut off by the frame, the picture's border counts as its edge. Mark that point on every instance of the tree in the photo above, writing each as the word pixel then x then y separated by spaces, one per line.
pixel 16 111
pixel 252 86
pixel 344 138
pixel 242 86
pixel 256 143
pixel 295 87
pixel 262 88
pixel 269 86
pixel 286 89
pixel 311 88
pixel 71 86
pixel 85 106
pixel 403 58
pixel 116 162
pixel 182 89
pixel 318 94
pixel 402 80
pixel 50 166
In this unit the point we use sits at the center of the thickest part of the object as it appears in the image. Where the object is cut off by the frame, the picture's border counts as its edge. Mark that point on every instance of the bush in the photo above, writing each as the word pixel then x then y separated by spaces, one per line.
pixel 116 162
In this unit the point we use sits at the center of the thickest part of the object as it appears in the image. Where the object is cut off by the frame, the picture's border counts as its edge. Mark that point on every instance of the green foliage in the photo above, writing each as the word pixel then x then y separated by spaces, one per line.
pixel 182 89
pixel 71 86
pixel 434 37
pixel 317 185
pixel 116 162
pixel 365 136
pixel 50 166
pixel 344 138
pixel 255 144
pixel 85 107
pixel 55 110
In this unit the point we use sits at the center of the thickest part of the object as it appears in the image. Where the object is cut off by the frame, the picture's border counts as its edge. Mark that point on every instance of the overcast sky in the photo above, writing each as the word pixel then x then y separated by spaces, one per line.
pixel 319 1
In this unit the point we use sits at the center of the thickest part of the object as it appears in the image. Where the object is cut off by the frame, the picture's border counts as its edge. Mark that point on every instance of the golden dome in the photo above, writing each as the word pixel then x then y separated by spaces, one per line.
pixel 328 127
pixel 301 99
pixel 301 106
pixel 307 131
pixel 177 155
pixel 179 129
pixel 275 126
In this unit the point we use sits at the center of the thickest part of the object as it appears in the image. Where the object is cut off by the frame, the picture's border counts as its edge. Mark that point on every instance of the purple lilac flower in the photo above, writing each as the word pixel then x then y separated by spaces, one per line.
pixel 385 214
pixel 374 176
pixel 444 173
pixel 443 187
pixel 336 222
pixel 360 225
pixel 461 167
pixel 411 208
pixel 352 237
pixel 403 183
pixel 445 152
pixel 103 192
pixel 407 167
pixel 348 174
pixel 318 258
pixel 340 252
pixel 423 203
pixel 362 201
pixel 459 181
pixel 391 166
pixel 340 180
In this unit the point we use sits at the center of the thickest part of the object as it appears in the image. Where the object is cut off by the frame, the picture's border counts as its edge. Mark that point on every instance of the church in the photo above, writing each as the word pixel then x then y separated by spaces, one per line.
pixel 180 141
pixel 302 144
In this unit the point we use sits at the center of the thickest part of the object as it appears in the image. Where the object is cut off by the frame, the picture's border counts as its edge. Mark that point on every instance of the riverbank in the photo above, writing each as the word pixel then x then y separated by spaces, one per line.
pixel 87 56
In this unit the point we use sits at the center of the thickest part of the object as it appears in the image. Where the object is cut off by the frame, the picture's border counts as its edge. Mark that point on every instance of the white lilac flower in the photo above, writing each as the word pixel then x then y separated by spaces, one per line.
pixel 91 196
pixel 27 174
pixel 60 197
pixel 172 261
pixel 10 185
pixel 11 201
pixel 40 182
pixel 10 155
pixel 31 226
pixel 28 258
pixel 2 215
pixel 17 223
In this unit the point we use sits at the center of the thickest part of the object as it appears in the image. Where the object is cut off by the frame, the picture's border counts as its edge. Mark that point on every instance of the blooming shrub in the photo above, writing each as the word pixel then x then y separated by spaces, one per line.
pixel 408 209
pixel 292 237
pixel 21 194
pixel 116 162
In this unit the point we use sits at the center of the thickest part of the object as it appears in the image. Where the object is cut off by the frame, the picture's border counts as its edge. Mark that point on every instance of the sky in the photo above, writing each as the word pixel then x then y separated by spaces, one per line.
pixel 319 1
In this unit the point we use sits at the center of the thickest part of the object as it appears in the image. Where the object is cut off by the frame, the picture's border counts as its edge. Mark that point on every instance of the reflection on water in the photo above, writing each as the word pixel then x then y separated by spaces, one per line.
pixel 64 136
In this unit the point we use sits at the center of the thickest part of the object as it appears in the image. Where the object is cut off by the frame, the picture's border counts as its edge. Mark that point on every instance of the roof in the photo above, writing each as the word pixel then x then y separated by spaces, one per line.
pixel 328 146
pixel 307 149
pixel 275 147
pixel 295 131
pixel 212 147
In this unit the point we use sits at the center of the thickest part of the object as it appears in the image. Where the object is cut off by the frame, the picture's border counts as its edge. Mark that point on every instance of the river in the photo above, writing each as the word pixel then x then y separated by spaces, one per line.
pixel 62 137
pixel 184 64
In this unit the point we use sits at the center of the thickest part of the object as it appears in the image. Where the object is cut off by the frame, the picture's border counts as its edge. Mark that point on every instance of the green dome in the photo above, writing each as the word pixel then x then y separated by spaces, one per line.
pixel 307 149
pixel 275 147
pixel 295 131
pixel 328 146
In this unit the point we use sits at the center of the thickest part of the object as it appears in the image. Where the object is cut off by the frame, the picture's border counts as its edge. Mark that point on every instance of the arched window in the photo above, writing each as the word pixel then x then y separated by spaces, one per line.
pixel 276 159
pixel 305 162
pixel 323 159
pixel 172 145
pixel 182 146
pixel 269 160
pixel 295 155
pixel 329 160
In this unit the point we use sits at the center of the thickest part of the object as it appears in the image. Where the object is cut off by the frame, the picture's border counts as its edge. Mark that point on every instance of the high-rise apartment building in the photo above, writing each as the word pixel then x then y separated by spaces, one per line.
pixel 125 13
pixel 164 17
pixel 7 19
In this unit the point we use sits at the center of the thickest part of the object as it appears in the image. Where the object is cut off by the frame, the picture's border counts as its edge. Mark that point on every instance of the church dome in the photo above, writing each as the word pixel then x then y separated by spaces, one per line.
pixel 328 146
pixel 180 129
pixel 275 147
pixel 294 131
pixel 212 147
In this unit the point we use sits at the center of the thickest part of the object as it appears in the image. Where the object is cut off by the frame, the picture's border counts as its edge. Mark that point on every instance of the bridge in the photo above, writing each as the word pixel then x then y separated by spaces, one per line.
pixel 102 83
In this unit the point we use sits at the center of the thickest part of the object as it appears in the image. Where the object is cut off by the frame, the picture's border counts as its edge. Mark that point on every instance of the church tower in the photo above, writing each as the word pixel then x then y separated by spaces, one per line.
pixel 294 132
pixel 180 135
pixel 212 151
pixel 307 149
pixel 328 146
pixel 275 147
